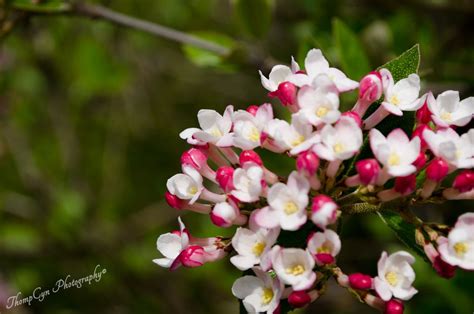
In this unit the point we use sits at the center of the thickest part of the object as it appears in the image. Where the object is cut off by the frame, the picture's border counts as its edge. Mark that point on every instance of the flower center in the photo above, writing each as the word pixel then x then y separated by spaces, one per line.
pixel 394 159
pixel 298 140
pixel 460 248
pixel 267 296
pixel 392 278
pixel 254 135
pixel 290 208
pixel 394 100
pixel 338 148
pixel 322 112
pixel 446 116
pixel 192 190
pixel 215 132
pixel 295 270
pixel 258 248
pixel 323 249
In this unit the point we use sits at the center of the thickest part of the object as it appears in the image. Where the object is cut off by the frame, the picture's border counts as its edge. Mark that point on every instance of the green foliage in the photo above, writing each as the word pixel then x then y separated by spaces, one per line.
pixel 47 6
pixel 254 16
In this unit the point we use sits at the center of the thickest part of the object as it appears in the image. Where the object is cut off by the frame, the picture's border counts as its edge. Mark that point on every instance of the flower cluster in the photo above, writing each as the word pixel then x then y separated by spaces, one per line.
pixel 223 176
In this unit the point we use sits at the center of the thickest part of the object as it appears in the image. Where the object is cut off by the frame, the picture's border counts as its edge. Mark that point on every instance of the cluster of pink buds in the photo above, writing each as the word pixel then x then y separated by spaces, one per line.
pixel 224 177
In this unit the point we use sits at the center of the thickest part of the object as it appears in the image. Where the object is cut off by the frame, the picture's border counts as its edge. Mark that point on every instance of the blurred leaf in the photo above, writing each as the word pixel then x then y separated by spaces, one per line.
pixel 19 238
pixel 404 231
pixel 352 57
pixel 205 58
pixel 47 6
pixel 254 16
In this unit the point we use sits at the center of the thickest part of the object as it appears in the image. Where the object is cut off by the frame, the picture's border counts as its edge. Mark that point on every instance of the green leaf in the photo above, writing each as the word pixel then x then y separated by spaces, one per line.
pixel 205 58
pixel 254 15
pixel 47 6
pixel 352 57
pixel 404 231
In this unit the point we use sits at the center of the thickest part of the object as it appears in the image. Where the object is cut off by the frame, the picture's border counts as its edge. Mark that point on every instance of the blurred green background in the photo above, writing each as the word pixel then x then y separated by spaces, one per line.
pixel 89 121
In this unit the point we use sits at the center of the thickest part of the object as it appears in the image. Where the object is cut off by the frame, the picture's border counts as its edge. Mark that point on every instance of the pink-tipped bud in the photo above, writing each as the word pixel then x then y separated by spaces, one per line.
pixel 420 161
pixel 354 116
pixel 224 215
pixel 250 156
pixel 252 109
pixel 324 211
pixel 360 281
pixel 193 256
pixel 394 307
pixel 370 87
pixel 286 92
pixel 423 115
pixel 464 182
pixel 368 170
pixel 224 176
pixel 405 185
pixel 419 132
pixel 324 259
pixel 298 299
pixel 307 161
pixel 174 201
pixel 195 158
pixel 444 269
pixel 437 170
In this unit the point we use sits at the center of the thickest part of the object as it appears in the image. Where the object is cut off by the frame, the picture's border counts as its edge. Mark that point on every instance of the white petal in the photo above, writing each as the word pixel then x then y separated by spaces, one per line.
pixel 245 286
pixel 383 289
pixel 163 262
pixel 243 262
pixel 315 63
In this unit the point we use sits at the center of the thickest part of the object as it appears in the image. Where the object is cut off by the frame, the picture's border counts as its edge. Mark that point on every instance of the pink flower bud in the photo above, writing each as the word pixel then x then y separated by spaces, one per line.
pixel 224 215
pixel 324 211
pixel 368 170
pixel 419 132
pixel 423 115
pixel 437 169
pixel 224 176
pixel 298 299
pixel 464 181
pixel 252 109
pixel 370 87
pixel 405 185
pixel 174 201
pixel 354 116
pixel 420 161
pixel 286 92
pixel 444 269
pixel 250 156
pixel 307 161
pixel 360 281
pixel 193 256
pixel 195 158
pixel 324 258
pixel 394 307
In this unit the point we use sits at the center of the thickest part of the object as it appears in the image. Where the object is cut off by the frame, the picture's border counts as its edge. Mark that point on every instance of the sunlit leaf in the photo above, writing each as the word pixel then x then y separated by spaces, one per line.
pixel 47 6
pixel 254 16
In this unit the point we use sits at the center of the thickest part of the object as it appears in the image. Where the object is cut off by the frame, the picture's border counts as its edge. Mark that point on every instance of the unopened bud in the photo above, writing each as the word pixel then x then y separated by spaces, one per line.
pixel 224 176
pixel 360 281
pixel 394 307
pixel 298 299
pixel 464 181
pixel 437 169
pixel 405 185
pixel 250 156
pixel 368 170
pixel 307 161
pixel 286 92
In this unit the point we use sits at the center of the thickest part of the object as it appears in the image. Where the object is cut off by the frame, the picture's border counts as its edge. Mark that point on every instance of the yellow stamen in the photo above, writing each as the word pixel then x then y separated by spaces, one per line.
pixel 394 100
pixel 258 248
pixel 295 270
pixel 297 141
pixel 215 132
pixel 323 249
pixel 267 296
pixel 460 248
pixel 394 159
pixel 254 135
pixel 338 148
pixel 290 208
pixel 192 190
pixel 446 116
pixel 322 112
pixel 392 278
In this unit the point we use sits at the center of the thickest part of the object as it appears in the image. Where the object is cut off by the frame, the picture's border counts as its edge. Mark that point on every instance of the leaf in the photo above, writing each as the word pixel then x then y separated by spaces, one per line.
pixel 254 15
pixel 205 58
pixel 47 6
pixel 352 57
pixel 404 231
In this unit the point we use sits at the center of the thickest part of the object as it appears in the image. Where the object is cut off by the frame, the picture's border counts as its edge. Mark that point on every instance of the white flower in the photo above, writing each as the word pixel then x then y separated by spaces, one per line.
pixel 318 106
pixel 287 204
pixel 323 211
pixel 396 152
pixel 248 128
pixel 294 267
pixel 170 245
pixel 215 128
pixel 278 74
pixel 297 137
pixel 248 183
pixel 187 185
pixel 327 242
pixel 339 142
pixel 402 96
pixel 448 110
pixel 315 65
pixel 259 294
pixel 458 248
pixel 395 276
pixel 251 245
pixel 457 150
